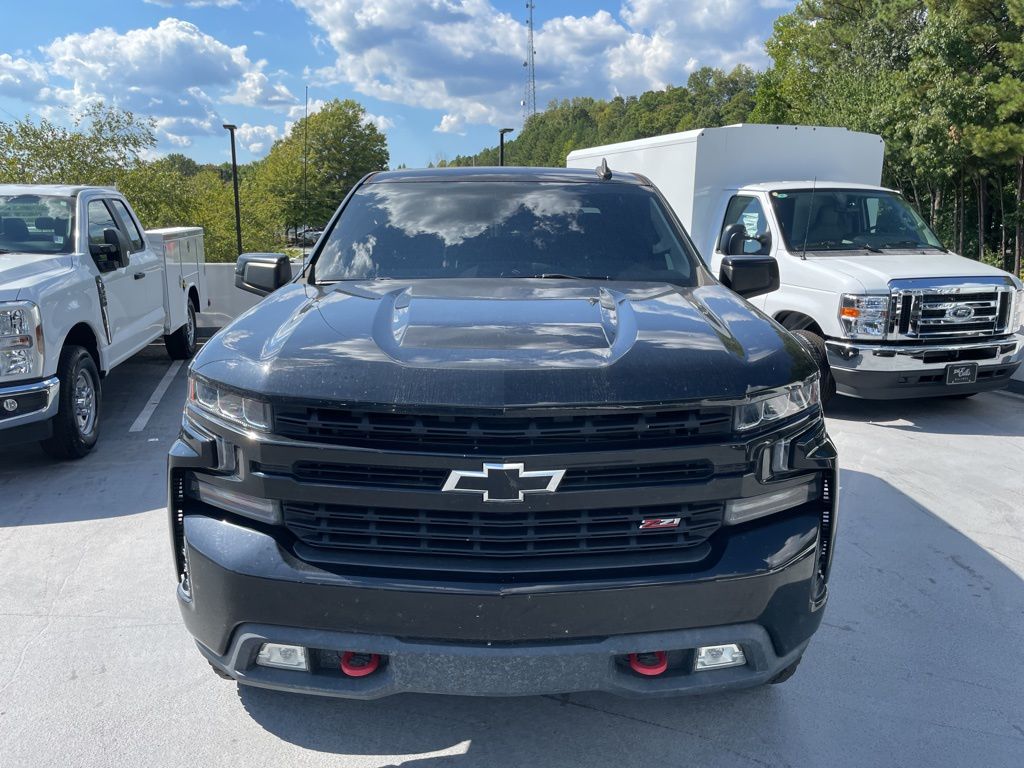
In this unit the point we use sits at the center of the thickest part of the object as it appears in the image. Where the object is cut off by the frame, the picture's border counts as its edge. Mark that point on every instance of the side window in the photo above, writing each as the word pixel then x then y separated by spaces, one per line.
pixel 134 235
pixel 99 220
pixel 748 212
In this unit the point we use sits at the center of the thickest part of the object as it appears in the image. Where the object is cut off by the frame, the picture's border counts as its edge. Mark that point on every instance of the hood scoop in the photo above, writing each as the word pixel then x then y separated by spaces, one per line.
pixel 534 329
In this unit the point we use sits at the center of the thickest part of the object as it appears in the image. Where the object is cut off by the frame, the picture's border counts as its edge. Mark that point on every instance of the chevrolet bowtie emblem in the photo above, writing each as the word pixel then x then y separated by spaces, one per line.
pixel 504 482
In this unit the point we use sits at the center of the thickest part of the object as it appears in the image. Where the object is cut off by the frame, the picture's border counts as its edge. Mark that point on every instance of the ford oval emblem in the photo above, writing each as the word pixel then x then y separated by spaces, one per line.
pixel 961 313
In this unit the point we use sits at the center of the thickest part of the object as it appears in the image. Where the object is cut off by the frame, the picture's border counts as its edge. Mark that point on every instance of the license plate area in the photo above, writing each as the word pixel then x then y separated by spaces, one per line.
pixel 961 373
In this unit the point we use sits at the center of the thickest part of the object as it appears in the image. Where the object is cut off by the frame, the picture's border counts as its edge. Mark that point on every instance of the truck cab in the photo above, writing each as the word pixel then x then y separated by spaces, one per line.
pixel 82 288
pixel 884 307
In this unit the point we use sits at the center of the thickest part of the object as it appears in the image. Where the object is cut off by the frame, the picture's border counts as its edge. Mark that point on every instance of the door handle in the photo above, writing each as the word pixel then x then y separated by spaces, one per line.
pixel 139 275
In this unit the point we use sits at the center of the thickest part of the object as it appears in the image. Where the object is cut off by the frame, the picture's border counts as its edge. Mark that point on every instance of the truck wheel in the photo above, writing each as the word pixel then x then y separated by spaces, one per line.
pixel 816 346
pixel 76 426
pixel 785 674
pixel 181 345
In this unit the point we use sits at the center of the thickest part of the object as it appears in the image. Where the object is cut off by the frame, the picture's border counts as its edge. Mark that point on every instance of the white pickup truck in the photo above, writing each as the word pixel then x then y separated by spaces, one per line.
pixel 885 308
pixel 83 288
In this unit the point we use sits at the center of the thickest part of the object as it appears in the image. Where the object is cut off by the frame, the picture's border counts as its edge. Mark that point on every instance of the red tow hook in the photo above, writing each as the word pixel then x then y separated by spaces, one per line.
pixel 649 664
pixel 359 664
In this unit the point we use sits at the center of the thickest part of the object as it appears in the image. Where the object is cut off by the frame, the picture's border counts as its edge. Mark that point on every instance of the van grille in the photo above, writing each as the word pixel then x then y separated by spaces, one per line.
pixel 943 312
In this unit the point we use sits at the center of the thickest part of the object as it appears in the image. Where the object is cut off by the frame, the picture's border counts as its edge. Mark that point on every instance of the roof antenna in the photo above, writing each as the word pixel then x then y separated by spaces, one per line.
pixel 810 210
pixel 603 171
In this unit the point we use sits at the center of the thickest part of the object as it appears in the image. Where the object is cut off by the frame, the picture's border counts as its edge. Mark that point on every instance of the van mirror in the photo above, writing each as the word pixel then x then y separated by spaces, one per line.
pixel 262 273
pixel 750 276
pixel 732 240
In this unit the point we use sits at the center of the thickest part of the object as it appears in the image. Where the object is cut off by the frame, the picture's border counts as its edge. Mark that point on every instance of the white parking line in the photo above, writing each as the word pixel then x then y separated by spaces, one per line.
pixel 154 400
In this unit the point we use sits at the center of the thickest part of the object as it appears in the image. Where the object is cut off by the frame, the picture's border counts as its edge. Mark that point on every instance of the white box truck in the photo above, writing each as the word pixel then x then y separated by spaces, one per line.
pixel 83 288
pixel 885 308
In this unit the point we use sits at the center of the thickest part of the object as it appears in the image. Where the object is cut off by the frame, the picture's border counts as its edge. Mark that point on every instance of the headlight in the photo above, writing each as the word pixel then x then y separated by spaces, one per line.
pixel 1018 325
pixel 778 405
pixel 21 340
pixel 246 412
pixel 864 315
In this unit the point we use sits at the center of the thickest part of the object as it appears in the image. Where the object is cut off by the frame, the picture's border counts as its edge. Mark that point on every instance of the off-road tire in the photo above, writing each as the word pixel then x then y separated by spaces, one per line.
pixel 71 439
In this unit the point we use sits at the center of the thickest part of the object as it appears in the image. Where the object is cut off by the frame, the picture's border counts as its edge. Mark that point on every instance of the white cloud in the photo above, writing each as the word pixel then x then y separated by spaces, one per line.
pixel 451 124
pixel 257 138
pixel 20 78
pixel 195 3
pixel 173 72
pixel 256 90
pixel 383 123
pixel 465 57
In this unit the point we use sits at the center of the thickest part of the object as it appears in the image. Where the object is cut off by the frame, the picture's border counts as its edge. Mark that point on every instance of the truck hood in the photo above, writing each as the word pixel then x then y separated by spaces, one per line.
pixel 875 270
pixel 503 343
pixel 19 272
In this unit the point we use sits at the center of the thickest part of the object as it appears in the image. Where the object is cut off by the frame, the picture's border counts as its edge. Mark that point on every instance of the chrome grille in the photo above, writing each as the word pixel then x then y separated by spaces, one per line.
pixel 922 309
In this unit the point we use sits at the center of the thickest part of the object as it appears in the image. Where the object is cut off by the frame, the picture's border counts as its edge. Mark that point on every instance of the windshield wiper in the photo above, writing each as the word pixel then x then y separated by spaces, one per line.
pixel 560 276
pixel 914 244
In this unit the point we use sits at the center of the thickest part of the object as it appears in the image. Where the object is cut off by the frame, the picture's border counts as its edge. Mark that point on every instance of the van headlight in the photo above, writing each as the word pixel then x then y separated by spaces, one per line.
pixel 241 410
pixel 21 340
pixel 1018 324
pixel 778 405
pixel 864 316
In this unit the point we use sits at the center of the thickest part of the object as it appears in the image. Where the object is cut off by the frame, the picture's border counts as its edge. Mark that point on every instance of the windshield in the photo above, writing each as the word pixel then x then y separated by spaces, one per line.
pixel 36 223
pixel 412 230
pixel 849 219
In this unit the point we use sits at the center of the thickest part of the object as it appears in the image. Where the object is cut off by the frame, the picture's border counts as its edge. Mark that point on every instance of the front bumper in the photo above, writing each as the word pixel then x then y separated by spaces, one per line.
pixel 879 371
pixel 500 640
pixel 35 404
pixel 763 585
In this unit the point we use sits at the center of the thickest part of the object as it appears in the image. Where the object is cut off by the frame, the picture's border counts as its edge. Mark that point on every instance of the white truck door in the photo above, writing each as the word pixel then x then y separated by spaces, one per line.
pixel 146 269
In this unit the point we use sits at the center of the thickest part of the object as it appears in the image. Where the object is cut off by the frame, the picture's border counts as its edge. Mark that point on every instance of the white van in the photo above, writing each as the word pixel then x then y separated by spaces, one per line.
pixel 888 311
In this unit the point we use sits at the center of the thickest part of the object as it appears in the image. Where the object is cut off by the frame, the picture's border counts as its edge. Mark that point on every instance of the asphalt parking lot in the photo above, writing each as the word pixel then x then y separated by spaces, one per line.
pixel 919 662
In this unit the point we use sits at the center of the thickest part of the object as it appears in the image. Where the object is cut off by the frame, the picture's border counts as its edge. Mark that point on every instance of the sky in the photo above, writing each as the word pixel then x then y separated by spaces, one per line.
pixel 438 77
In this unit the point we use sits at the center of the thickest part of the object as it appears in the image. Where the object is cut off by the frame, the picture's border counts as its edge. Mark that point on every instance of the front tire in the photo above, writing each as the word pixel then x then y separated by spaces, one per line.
pixel 181 345
pixel 76 427
pixel 815 345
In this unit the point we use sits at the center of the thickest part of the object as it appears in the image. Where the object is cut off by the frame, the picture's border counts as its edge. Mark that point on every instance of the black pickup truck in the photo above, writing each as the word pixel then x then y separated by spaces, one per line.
pixel 503 435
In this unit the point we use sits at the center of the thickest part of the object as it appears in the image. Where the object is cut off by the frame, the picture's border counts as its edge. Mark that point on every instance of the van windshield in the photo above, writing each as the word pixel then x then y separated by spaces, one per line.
pixel 36 223
pixel 850 220
pixel 460 229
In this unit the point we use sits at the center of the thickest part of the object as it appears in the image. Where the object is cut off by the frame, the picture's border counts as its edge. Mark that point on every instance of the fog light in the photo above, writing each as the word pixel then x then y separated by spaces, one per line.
pixel 719 657
pixel 282 656
pixel 264 510
pixel 741 510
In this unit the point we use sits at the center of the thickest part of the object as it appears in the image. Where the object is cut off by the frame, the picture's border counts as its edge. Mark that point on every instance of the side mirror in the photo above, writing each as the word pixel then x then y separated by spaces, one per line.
pixel 731 241
pixel 113 252
pixel 262 273
pixel 750 276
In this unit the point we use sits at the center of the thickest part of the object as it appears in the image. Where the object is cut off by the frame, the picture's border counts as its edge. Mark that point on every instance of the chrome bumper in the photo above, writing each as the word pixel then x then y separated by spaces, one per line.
pixel 844 355
pixel 12 418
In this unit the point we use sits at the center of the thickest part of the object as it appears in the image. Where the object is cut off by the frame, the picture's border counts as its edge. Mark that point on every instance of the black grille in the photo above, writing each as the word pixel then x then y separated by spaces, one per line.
pixel 430 478
pixel 516 434
pixel 499 534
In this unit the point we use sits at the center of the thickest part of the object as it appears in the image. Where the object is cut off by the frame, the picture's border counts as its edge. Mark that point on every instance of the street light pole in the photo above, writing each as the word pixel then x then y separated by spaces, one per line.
pixel 234 178
pixel 501 144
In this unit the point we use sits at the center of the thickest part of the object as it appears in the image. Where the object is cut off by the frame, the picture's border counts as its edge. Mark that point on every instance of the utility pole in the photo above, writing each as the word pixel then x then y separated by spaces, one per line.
pixel 501 144
pixel 530 96
pixel 234 178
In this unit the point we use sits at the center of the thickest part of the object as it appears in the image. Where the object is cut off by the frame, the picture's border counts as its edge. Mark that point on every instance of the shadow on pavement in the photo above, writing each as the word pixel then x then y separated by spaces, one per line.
pixel 916 664
pixel 983 414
